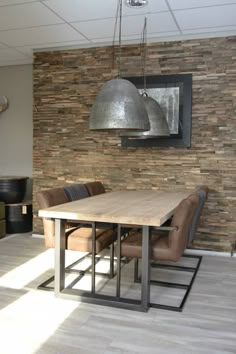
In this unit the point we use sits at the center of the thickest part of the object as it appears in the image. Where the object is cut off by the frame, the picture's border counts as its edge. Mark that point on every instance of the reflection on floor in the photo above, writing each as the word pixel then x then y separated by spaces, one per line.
pixel 34 321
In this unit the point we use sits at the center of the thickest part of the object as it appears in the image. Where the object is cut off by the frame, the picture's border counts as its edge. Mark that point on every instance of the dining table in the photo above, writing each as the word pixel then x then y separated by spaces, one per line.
pixel 145 208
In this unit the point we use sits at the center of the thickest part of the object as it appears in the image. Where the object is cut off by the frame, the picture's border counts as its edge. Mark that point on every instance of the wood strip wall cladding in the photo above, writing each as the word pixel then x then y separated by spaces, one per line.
pixel 65 151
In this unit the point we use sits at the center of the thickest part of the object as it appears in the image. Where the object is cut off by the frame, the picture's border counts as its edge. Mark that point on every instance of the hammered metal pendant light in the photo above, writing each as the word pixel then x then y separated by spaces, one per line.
pixel 158 122
pixel 119 104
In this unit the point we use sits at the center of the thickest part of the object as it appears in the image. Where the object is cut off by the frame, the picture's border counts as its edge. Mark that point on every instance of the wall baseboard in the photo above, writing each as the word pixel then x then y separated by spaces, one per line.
pixel 208 253
pixel 9 236
pixel 37 236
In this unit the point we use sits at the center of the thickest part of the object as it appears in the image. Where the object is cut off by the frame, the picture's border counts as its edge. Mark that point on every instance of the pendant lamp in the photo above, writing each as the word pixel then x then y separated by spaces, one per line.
pixel 119 104
pixel 158 122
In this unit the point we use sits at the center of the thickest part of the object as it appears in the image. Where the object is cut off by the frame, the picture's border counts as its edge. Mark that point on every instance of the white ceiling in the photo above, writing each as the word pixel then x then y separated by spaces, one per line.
pixel 31 25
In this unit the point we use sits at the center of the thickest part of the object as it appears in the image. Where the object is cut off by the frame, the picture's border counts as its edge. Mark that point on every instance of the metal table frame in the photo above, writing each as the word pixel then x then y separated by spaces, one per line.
pixel 93 297
pixel 147 208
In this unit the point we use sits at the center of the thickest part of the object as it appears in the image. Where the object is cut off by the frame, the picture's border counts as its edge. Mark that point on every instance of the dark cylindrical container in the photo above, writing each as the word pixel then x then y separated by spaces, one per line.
pixel 12 189
pixel 18 218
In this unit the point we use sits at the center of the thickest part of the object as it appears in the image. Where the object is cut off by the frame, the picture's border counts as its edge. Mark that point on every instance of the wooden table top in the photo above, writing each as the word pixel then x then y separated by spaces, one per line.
pixel 142 207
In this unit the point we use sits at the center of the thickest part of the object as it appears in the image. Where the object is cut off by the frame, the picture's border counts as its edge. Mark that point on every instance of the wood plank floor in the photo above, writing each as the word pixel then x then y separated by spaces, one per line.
pixel 34 321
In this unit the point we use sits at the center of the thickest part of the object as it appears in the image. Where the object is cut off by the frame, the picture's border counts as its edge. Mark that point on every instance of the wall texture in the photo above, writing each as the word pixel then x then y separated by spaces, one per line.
pixel 16 124
pixel 65 151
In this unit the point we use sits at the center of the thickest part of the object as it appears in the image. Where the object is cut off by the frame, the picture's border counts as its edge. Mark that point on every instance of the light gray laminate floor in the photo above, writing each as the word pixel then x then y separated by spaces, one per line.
pixel 34 321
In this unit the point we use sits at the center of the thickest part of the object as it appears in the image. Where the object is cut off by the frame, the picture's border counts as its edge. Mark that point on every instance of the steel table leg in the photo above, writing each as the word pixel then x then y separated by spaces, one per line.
pixel 93 256
pixel 59 256
pixel 118 260
pixel 145 292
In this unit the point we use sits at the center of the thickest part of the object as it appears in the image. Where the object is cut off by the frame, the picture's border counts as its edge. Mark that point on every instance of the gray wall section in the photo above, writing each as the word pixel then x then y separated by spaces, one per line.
pixel 16 123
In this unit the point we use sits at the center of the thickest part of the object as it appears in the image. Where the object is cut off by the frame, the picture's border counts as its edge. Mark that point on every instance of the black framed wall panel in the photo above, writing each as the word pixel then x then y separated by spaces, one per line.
pixel 179 119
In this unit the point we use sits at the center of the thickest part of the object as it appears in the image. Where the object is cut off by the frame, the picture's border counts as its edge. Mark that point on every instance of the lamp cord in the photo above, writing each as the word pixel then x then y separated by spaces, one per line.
pixel 114 34
pixel 118 15
pixel 119 56
pixel 144 45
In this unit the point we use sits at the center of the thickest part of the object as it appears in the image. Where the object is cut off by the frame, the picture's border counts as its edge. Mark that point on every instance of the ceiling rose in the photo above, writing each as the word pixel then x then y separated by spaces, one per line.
pixel 136 3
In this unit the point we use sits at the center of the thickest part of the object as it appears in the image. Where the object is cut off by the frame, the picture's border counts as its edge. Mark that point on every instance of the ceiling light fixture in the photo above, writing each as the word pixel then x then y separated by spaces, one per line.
pixel 137 4
pixel 119 104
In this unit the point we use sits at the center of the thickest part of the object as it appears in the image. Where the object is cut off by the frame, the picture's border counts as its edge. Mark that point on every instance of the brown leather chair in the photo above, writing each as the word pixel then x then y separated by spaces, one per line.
pixel 78 238
pixel 46 199
pixel 203 188
pixel 95 188
pixel 166 246
pixel 202 193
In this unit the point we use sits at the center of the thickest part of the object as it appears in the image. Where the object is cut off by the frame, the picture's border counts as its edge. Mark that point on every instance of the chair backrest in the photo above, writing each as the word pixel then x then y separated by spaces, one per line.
pixel 95 188
pixel 47 199
pixel 182 218
pixel 202 193
pixel 51 197
pixel 76 191
pixel 203 188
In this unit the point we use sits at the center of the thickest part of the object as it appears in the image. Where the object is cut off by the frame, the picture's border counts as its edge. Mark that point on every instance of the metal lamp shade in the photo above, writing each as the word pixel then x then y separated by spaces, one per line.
pixel 158 123
pixel 119 106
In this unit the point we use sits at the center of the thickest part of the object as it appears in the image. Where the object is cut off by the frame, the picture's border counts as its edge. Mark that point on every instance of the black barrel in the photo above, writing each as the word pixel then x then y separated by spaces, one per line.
pixel 12 189
pixel 18 218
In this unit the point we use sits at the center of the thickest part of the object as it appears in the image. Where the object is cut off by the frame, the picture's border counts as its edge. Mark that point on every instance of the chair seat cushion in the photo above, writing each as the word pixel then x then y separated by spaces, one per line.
pixel 159 246
pixel 81 239
pixel 132 245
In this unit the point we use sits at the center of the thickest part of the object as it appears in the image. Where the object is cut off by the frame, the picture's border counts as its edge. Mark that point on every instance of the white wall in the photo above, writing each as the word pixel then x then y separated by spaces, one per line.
pixel 16 123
